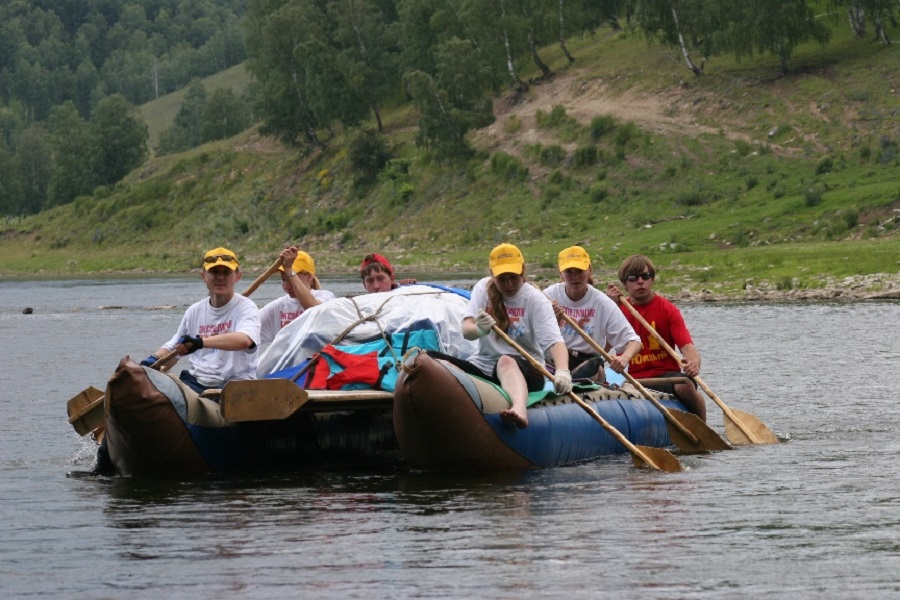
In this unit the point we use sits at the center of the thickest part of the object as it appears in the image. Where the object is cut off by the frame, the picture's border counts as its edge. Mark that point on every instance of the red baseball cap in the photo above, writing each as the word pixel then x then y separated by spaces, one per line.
pixel 376 258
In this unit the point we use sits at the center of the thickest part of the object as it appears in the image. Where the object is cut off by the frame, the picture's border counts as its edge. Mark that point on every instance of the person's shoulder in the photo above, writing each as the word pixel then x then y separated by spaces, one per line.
pixel 554 290
pixel 244 302
pixel 600 296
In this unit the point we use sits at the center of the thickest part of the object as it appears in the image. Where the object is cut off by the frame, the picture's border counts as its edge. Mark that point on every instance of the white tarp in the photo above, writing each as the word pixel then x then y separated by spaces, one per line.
pixel 366 316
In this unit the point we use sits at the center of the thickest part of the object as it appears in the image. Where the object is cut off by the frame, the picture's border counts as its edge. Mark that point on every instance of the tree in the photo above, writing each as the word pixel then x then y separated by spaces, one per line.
pixel 288 53
pixel 453 102
pixel 119 139
pixel 71 145
pixel 33 159
pixel 367 51
pixel 225 115
pixel 878 11
pixel 11 197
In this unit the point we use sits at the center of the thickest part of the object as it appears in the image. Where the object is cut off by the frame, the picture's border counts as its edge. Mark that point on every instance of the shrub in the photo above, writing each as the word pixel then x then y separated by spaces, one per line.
pixel 368 153
pixel 601 125
pixel 586 156
pixel 813 196
pixel 552 156
pixel 556 118
pixel 508 166
pixel 825 166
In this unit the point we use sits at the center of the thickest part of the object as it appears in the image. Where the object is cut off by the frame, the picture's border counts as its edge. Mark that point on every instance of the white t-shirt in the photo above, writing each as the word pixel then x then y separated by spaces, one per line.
pixel 597 315
pixel 532 325
pixel 214 367
pixel 281 311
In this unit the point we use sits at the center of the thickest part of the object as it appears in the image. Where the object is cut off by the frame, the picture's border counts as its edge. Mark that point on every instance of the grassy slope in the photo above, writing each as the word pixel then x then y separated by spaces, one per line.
pixel 694 174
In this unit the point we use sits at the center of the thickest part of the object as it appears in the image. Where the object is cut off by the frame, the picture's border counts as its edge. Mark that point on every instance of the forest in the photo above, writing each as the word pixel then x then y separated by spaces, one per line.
pixel 71 72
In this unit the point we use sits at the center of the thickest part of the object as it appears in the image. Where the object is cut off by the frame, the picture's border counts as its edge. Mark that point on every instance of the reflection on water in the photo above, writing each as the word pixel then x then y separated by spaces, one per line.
pixel 818 515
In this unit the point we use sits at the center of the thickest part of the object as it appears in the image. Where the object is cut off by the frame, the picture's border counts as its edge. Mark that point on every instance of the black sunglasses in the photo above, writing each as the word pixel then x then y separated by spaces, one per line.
pixel 647 276
pixel 222 257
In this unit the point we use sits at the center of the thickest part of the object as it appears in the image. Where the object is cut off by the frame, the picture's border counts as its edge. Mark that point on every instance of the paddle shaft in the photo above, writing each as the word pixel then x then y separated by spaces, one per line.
pixel 644 392
pixel 696 378
pixel 262 278
pixel 635 451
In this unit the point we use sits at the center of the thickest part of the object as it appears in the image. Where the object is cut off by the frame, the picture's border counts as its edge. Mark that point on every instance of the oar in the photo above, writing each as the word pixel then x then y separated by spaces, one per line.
pixel 262 278
pixel 686 430
pixel 741 428
pixel 658 458
pixel 86 411
pixel 264 399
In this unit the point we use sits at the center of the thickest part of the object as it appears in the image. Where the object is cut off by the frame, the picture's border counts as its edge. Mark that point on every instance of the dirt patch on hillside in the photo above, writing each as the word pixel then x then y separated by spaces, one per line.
pixel 667 112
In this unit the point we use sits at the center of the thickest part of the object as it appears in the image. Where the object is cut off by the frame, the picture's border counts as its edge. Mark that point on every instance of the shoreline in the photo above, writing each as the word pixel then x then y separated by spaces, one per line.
pixel 679 289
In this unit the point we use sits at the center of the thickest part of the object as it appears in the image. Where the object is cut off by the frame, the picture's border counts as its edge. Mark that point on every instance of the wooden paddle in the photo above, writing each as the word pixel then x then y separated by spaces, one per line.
pixel 686 430
pixel 261 399
pixel 741 428
pixel 658 458
pixel 265 399
pixel 262 278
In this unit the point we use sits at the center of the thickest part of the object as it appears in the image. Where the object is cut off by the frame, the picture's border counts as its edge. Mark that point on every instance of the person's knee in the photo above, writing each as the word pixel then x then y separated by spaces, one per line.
pixel 506 363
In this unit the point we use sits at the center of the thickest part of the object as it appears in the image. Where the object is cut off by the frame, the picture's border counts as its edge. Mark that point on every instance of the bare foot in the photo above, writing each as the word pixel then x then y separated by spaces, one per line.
pixel 515 416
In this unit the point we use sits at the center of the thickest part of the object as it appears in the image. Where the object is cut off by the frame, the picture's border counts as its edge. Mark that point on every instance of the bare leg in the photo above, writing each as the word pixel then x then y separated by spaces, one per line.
pixel 512 381
pixel 691 398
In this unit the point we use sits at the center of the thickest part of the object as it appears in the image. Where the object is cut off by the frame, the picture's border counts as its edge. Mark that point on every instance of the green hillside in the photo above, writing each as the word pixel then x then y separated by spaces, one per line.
pixel 739 176
pixel 159 114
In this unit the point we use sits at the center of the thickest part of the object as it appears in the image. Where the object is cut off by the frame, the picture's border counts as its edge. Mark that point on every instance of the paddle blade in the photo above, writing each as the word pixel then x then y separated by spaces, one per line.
pixel 261 400
pixel 86 411
pixel 657 458
pixel 704 439
pixel 736 435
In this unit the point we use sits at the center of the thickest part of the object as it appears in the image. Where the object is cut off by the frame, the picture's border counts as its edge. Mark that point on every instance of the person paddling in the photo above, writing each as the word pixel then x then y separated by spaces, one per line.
pixel 638 274
pixel 303 291
pixel 526 316
pixel 220 334
pixel 595 313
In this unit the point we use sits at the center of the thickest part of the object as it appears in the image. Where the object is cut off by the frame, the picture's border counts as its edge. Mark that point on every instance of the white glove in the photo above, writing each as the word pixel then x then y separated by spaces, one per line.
pixel 485 323
pixel 562 381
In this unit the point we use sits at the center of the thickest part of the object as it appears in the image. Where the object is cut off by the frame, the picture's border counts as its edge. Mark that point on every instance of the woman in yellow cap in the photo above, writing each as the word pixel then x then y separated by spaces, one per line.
pixel 595 313
pixel 303 291
pixel 526 315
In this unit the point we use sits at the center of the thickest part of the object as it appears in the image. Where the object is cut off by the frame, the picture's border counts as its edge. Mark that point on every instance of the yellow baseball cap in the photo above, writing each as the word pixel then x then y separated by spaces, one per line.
pixel 506 258
pixel 574 257
pixel 220 256
pixel 302 264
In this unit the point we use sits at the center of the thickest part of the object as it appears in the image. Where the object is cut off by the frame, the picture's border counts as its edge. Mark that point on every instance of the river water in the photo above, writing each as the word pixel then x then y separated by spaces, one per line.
pixel 817 515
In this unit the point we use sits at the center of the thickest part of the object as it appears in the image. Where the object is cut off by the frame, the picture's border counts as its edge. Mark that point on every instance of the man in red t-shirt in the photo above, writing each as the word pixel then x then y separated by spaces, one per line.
pixel 637 274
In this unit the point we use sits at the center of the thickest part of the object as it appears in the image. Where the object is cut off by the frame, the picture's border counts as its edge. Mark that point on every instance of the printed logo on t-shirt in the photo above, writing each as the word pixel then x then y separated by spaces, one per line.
pixel 516 315
pixel 214 329
pixel 582 318
pixel 288 316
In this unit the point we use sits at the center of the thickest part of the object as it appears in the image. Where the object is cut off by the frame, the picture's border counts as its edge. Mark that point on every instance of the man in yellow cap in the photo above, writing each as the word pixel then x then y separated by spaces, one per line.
pixel 303 291
pixel 219 333
pixel 595 313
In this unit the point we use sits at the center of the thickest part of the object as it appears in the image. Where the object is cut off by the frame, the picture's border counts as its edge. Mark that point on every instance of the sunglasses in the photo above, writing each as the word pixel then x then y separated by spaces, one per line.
pixel 645 276
pixel 222 257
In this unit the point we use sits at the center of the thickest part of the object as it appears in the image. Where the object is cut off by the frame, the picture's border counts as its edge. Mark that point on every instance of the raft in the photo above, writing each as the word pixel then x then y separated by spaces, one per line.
pixel 377 398
pixel 445 418
pixel 158 427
